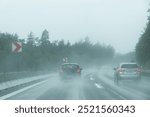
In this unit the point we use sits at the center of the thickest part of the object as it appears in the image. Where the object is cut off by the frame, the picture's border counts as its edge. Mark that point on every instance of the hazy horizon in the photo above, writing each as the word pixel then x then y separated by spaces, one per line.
pixel 112 22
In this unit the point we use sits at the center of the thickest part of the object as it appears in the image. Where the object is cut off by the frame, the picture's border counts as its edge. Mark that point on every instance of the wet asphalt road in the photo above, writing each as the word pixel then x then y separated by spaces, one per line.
pixel 93 85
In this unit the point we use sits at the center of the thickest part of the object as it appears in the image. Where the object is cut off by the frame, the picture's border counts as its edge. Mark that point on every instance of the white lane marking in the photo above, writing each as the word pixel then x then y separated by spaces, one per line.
pixel 118 94
pixel 21 90
pixel 98 85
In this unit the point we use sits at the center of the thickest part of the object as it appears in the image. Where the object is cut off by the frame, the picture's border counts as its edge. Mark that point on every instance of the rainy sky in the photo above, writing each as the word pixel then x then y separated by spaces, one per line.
pixel 116 22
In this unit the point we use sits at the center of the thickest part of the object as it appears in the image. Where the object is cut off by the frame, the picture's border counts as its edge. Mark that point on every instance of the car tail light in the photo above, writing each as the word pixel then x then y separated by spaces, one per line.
pixel 120 70
pixel 78 70
pixel 139 70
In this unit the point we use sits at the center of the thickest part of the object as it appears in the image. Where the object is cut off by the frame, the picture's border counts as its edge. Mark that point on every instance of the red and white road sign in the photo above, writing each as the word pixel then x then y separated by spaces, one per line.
pixel 16 47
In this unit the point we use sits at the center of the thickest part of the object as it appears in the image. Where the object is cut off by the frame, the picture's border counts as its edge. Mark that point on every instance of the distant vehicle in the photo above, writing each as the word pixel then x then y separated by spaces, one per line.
pixel 69 70
pixel 127 71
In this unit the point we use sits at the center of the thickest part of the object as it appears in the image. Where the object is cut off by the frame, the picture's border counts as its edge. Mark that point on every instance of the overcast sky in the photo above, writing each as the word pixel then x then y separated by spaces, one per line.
pixel 115 22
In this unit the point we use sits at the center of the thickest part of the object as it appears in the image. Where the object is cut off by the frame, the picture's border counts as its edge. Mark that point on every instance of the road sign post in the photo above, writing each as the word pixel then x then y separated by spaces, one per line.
pixel 17 49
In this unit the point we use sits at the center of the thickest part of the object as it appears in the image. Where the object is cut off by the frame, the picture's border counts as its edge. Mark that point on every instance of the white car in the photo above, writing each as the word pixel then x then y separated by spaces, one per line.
pixel 127 71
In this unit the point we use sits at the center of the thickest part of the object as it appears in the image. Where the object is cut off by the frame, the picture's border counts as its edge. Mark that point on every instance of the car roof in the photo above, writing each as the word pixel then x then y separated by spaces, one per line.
pixel 69 64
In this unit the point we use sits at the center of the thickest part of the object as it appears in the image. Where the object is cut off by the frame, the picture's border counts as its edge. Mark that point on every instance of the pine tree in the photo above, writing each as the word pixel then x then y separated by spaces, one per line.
pixel 45 38
pixel 143 46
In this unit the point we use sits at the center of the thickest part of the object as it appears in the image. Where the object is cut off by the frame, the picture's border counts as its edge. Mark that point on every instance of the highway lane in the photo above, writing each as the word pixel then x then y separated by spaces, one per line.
pixel 74 89
pixel 93 85
pixel 128 89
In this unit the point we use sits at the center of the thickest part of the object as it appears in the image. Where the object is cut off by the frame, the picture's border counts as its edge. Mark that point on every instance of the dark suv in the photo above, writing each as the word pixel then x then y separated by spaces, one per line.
pixel 70 70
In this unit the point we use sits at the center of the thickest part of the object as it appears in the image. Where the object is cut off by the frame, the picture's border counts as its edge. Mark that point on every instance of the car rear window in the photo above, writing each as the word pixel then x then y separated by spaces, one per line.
pixel 70 66
pixel 129 66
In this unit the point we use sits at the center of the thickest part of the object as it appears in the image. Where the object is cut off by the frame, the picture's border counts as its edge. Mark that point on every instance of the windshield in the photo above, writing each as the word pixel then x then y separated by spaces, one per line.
pixel 75 50
pixel 129 66
pixel 70 66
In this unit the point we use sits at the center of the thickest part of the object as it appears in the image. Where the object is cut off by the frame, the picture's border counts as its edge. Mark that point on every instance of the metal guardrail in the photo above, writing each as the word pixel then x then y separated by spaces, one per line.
pixel 11 79
pixel 19 75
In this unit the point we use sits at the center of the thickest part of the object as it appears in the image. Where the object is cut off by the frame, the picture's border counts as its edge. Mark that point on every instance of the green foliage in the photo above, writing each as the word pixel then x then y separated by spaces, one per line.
pixel 5 50
pixel 43 54
pixel 45 38
pixel 143 46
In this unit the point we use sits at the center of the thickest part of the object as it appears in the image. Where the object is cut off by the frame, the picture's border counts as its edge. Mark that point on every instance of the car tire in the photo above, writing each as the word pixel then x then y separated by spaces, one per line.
pixel 116 81
pixel 138 79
